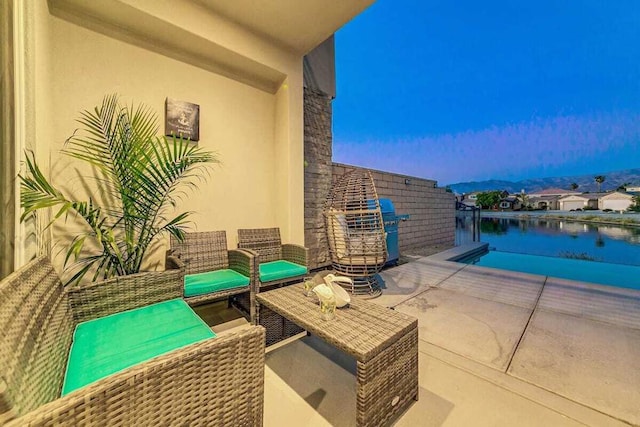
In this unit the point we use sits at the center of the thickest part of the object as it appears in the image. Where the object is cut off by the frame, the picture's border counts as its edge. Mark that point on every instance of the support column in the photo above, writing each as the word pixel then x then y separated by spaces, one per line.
pixel 7 141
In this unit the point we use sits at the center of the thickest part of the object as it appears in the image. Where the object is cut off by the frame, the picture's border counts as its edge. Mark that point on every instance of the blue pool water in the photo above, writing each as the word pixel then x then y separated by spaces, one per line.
pixel 563 239
pixel 624 276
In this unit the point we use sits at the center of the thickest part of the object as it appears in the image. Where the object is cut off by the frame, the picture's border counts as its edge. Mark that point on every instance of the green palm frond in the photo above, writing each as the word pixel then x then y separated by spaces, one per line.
pixel 139 171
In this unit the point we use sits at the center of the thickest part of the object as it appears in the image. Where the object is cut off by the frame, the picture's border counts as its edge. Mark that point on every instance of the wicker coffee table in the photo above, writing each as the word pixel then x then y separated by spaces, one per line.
pixel 383 342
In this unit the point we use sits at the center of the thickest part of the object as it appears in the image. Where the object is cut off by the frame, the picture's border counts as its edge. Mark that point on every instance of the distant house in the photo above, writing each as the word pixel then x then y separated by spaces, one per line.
pixel 469 199
pixel 549 198
pixel 544 202
pixel 633 189
pixel 616 201
pixel 510 202
pixel 582 201
pixel 573 202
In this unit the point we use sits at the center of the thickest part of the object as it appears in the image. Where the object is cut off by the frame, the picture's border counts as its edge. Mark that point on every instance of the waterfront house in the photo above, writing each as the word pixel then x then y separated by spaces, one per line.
pixel 581 201
pixel 616 201
pixel 510 202
pixel 469 199
pixel 573 202
pixel 549 198
pixel 544 202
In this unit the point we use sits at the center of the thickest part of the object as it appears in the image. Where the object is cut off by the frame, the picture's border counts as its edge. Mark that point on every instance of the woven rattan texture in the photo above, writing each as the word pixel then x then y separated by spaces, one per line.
pixel 355 228
pixel 122 293
pixel 384 343
pixel 36 327
pixel 201 251
pixel 218 381
pixel 389 375
pixel 295 253
pixel 362 329
pixel 265 241
pixel 207 251
pixel 249 240
pixel 278 328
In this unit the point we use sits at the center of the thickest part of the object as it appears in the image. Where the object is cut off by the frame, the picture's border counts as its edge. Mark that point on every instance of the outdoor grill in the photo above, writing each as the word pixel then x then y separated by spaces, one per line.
pixel 391 221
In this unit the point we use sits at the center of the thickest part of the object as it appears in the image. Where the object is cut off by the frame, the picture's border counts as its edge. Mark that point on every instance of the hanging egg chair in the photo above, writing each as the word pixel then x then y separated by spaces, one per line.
pixel 355 232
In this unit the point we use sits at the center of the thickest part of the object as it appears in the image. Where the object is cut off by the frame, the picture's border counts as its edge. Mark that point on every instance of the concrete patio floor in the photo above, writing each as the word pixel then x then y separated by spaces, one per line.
pixel 496 348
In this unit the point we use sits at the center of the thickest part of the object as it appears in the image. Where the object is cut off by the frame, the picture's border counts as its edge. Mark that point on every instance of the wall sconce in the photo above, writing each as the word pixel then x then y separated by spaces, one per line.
pixel 407 181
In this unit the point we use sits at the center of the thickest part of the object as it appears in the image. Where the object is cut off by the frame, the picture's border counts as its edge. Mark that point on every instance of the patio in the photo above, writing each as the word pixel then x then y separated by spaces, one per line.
pixel 495 348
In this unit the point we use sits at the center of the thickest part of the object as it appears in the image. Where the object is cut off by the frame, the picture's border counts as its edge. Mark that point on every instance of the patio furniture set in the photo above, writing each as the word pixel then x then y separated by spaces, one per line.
pixel 131 351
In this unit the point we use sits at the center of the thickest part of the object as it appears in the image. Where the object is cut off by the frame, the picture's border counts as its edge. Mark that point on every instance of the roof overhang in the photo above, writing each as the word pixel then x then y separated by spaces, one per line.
pixel 170 28
pixel 296 25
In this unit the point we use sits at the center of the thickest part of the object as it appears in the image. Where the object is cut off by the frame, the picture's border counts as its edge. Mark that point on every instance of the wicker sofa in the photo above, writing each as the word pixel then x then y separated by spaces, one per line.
pixel 217 381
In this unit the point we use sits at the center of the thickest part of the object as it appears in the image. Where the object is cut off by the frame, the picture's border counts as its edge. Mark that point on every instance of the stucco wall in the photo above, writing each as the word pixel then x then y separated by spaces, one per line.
pixel 257 134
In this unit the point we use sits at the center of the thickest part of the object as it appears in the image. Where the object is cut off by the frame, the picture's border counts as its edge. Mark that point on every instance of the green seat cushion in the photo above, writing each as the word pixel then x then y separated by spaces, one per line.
pixel 277 270
pixel 104 346
pixel 213 281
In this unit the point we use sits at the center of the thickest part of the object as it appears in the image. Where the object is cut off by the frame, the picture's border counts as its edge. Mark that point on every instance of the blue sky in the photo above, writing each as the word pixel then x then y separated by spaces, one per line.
pixel 472 90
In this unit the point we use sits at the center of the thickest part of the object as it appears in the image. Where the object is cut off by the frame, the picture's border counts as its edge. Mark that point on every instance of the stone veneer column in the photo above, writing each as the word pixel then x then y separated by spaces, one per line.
pixel 317 173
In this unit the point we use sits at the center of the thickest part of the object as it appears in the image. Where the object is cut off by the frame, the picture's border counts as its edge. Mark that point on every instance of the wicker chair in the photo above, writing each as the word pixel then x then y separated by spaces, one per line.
pixel 266 245
pixel 355 232
pixel 205 252
pixel 216 381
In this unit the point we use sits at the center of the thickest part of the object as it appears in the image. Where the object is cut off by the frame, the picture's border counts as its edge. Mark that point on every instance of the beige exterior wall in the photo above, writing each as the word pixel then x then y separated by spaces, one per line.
pixel 615 201
pixel 572 202
pixel 256 132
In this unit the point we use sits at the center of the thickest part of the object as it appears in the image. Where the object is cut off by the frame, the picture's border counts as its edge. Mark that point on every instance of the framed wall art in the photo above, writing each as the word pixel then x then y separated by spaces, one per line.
pixel 182 119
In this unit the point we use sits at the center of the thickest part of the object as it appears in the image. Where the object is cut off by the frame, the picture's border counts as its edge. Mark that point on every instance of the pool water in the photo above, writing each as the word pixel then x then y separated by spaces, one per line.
pixel 563 239
pixel 624 276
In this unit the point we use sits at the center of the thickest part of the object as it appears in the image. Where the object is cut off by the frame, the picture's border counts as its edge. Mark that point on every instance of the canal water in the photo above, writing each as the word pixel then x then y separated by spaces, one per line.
pixel 563 239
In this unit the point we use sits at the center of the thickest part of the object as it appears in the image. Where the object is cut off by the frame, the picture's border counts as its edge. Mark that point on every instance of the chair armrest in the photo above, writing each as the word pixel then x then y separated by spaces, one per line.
pixel 99 299
pixel 228 370
pixel 172 262
pixel 244 262
pixel 295 253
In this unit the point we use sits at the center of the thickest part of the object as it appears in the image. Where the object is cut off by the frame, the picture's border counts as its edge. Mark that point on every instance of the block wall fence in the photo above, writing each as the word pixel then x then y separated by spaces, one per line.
pixel 432 209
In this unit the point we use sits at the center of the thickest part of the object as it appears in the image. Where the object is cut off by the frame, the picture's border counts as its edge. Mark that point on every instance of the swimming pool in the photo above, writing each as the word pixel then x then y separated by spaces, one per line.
pixel 620 275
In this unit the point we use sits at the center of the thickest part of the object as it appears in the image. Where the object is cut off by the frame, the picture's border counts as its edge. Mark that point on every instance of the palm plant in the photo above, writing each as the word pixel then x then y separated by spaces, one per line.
pixel 140 175
pixel 599 180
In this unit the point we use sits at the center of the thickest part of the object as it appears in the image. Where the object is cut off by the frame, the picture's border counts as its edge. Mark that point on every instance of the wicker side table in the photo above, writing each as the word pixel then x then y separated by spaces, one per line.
pixel 383 342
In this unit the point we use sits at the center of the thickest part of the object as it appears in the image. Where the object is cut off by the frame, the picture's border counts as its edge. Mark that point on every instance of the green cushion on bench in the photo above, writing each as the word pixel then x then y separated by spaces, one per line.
pixel 213 281
pixel 276 270
pixel 104 346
